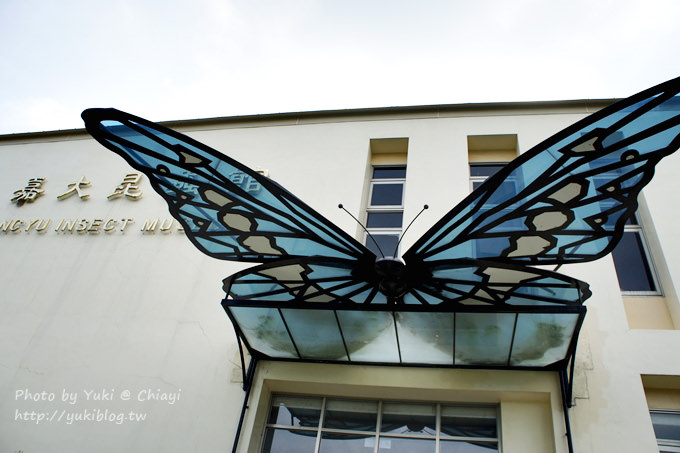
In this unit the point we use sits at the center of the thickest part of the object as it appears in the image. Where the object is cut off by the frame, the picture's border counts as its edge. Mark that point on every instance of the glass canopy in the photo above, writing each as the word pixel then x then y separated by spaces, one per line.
pixel 472 336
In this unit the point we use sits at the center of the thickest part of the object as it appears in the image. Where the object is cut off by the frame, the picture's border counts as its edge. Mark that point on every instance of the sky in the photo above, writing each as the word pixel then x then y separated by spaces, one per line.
pixel 173 59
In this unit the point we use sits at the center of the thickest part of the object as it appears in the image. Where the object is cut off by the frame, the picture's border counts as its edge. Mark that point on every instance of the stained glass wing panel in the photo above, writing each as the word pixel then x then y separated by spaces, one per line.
pixel 567 199
pixel 313 279
pixel 227 210
pixel 491 284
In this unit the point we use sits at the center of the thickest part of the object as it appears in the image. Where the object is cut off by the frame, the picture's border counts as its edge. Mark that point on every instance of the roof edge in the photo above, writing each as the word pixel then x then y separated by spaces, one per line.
pixel 587 105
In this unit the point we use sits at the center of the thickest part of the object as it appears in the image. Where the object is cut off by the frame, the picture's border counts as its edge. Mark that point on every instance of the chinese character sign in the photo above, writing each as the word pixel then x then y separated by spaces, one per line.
pixel 129 187
pixel 30 192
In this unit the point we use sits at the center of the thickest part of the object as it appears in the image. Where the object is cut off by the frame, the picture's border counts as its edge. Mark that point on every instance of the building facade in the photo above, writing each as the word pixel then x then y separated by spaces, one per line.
pixel 113 337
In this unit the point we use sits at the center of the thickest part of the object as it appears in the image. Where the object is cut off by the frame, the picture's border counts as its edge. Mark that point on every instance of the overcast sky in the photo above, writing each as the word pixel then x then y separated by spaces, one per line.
pixel 171 59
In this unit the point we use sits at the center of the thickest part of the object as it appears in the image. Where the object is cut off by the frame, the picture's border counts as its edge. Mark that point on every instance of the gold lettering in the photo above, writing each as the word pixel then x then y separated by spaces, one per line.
pixel 129 187
pixel 125 223
pixel 110 225
pixel 32 224
pixel 16 226
pixel 66 225
pixel 30 192
pixel 150 225
pixel 76 187
pixel 94 227
pixel 43 225
pixel 166 229
pixel 5 226
pixel 82 226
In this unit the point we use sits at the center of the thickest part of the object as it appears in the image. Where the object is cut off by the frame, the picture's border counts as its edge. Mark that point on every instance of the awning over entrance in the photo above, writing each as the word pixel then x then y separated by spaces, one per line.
pixel 472 336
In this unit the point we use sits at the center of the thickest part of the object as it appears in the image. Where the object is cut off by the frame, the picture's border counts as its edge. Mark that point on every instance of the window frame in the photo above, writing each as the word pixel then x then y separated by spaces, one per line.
pixel 636 227
pixel 481 179
pixel 668 445
pixel 377 435
pixel 371 208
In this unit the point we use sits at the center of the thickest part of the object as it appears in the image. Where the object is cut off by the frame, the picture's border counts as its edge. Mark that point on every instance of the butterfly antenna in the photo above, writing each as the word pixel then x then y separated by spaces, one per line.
pixel 362 226
pixel 409 226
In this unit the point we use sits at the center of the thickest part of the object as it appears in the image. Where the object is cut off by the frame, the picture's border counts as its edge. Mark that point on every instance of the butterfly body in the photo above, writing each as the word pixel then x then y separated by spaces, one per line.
pixel 393 276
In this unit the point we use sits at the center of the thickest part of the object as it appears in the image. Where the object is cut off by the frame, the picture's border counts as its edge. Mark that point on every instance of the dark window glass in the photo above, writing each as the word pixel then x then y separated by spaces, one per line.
pixel 631 264
pixel 387 243
pixel 485 170
pixel 351 426
pixel 387 194
pixel 295 411
pixel 458 446
pixel 288 441
pixel 389 172
pixel 460 421
pixel 667 429
pixel 351 415
pixel 384 219
pixel 409 418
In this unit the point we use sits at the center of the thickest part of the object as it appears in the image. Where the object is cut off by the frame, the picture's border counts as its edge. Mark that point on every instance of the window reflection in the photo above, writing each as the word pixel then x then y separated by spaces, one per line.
pixel 333 425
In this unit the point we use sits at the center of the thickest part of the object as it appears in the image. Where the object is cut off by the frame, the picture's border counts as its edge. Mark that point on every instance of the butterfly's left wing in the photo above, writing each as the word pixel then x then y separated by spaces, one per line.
pixel 567 199
pixel 227 210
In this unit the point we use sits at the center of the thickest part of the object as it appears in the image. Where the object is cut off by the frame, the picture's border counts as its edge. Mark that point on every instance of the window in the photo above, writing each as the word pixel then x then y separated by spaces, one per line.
pixel 385 211
pixel 326 425
pixel 667 429
pixel 479 172
pixel 633 262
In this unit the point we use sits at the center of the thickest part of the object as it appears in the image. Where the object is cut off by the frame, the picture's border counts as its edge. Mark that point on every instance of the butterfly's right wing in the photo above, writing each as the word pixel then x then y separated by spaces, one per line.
pixel 567 199
pixel 227 210
pixel 474 282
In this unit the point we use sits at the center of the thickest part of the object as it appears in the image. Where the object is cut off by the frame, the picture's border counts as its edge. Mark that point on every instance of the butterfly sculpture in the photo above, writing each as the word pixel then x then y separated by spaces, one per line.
pixel 572 195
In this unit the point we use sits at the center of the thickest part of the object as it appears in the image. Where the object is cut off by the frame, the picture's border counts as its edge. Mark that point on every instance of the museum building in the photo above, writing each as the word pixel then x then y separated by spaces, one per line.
pixel 116 335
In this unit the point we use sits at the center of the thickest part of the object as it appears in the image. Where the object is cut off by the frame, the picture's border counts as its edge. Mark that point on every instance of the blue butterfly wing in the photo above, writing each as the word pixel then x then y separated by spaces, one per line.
pixel 227 210
pixel 312 279
pixel 471 282
pixel 570 196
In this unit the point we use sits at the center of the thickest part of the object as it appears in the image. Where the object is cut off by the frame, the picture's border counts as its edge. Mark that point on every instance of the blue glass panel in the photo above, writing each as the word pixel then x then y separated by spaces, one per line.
pixel 264 330
pixel 369 335
pixel 387 194
pixel 389 172
pixel 485 169
pixel 542 338
pixel 316 334
pixel 557 293
pixel 384 219
pixel 631 264
pixel 483 338
pixel 386 244
pixel 426 337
